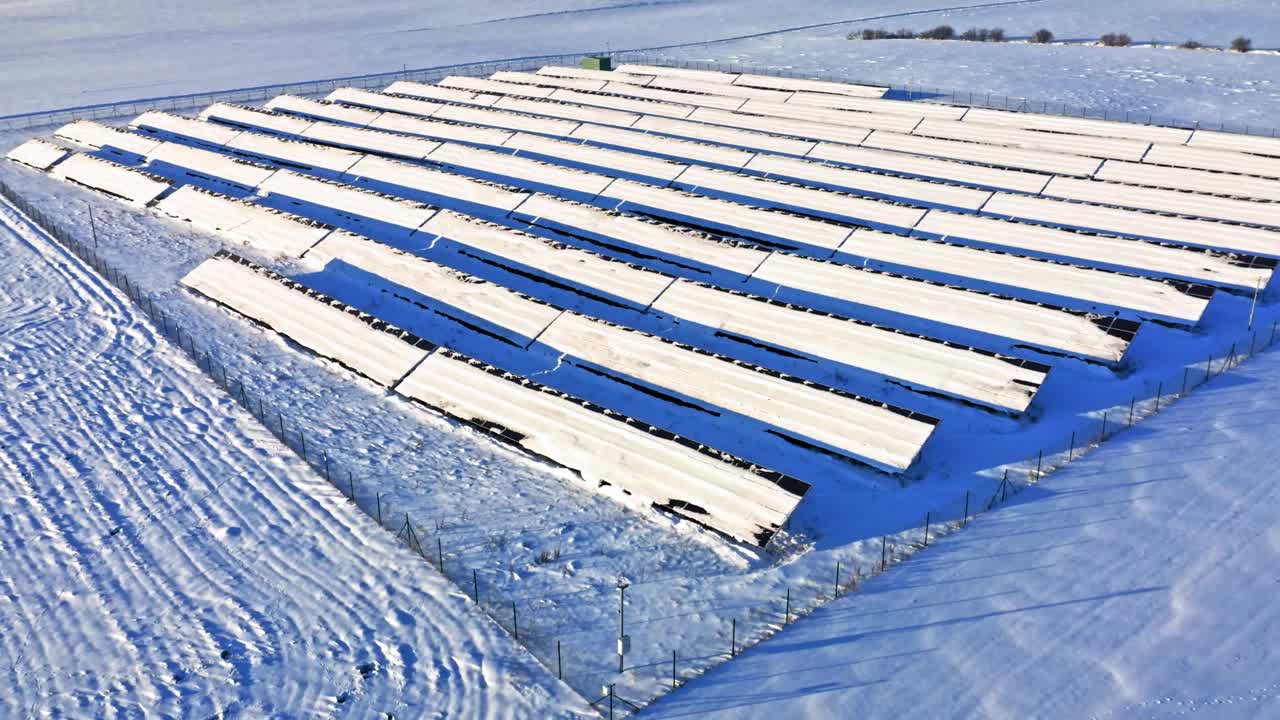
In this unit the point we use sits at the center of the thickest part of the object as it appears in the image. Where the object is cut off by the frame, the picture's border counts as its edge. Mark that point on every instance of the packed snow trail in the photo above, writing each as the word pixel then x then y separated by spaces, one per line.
pixel 1138 582
pixel 162 555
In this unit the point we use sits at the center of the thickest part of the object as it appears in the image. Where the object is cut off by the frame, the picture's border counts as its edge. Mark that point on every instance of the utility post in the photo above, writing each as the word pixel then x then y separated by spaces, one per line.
pixel 624 640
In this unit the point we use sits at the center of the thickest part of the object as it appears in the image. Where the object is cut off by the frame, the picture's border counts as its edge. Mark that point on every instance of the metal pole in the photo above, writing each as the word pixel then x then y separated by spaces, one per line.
pixel 475 590
pixel 1257 288
pixel 559 662
pixel 787 619
pixel 884 543
pixel 733 638
pixel 926 529
pixel 835 593
pixel 93 225
pixel 1071 449
pixel 965 522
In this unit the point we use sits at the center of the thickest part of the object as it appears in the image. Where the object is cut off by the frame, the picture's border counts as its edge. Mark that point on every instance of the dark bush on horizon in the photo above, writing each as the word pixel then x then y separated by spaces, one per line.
pixel 1042 37
pixel 1115 40
pixel 942 32
pixel 1242 44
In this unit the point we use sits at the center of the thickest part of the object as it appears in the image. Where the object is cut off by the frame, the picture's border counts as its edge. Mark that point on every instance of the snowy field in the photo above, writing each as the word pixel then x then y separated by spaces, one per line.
pixel 165 557
pixel 1137 583
pixel 687 583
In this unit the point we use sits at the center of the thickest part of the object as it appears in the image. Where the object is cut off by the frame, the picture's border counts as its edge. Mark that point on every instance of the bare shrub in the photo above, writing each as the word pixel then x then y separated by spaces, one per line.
pixel 1190 45
pixel 1042 37
pixel 1242 44
pixel 942 32
pixel 1115 40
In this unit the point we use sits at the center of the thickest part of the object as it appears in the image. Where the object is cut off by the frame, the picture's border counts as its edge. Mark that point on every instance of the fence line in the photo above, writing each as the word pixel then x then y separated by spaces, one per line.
pixel 908 92
pixel 540 635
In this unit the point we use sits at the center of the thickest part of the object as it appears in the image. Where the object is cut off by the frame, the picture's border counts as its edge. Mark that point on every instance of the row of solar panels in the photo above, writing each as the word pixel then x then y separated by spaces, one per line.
pixel 744 500
pixel 981 377
pixel 800 232
pixel 1033 210
pixel 1108 139
pixel 1084 152
pixel 320 159
pixel 1025 322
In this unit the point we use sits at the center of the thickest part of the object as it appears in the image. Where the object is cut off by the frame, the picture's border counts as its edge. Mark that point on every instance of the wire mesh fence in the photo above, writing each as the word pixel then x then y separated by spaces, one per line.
pixel 920 93
pixel 646 673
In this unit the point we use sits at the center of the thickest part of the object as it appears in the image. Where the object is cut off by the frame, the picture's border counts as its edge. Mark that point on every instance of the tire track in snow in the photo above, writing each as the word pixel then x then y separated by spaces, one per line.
pixel 182 531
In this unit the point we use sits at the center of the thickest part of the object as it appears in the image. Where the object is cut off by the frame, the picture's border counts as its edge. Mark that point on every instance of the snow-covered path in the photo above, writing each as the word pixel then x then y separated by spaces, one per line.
pixel 162 555
pixel 1131 584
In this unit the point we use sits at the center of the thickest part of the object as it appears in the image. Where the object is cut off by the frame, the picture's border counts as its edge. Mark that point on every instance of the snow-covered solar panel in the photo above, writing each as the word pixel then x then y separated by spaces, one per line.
pixel 367 99
pixel 590 221
pixel 782 126
pixel 1170 201
pixel 372 140
pixel 628 104
pixel 1213 159
pixel 494 87
pixel 206 164
pixel 378 351
pixel 314 108
pixel 733 90
pixel 664 71
pixel 266 230
pixel 671 96
pixel 39 154
pixel 907 164
pixel 129 147
pixel 435 182
pixel 1186 231
pixel 440 129
pixel 613 160
pixel 525 170
pixel 918 362
pixel 1090 248
pixel 506 120
pixel 707 133
pixel 1253 144
pixel 1077 126
pixel 605 278
pixel 733 217
pixel 741 500
pixel 807 85
pixel 843 118
pixel 1090 336
pixel 566 111
pixel 809 414
pixel 876 105
pixel 994 135
pixel 910 189
pixel 525 78
pixel 499 311
pixel 1201 181
pixel 604 75
pixel 438 92
pixel 804 198
pixel 252 118
pixel 1149 298
pixel 1035 160
pixel 295 153
pixel 669 147
pixel 105 176
pixel 203 133
pixel 348 200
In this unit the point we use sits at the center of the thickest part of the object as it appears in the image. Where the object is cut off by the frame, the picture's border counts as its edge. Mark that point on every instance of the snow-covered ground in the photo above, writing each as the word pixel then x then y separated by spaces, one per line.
pixel 64 54
pixel 1139 582
pixel 492 510
pixel 164 556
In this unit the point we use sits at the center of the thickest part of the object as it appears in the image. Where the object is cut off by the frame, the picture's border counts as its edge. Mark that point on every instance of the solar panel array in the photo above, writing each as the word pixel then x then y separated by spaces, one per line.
pixel 690 237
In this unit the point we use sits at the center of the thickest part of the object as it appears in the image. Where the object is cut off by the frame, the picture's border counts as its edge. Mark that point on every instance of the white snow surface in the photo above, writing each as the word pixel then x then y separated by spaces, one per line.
pixel 165 556
pixel 1108 591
